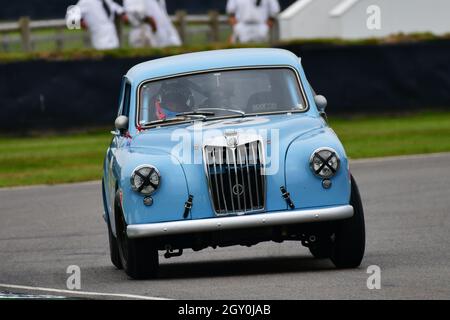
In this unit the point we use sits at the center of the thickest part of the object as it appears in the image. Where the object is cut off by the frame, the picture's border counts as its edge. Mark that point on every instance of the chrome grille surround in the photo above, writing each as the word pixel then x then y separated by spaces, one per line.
pixel 235 174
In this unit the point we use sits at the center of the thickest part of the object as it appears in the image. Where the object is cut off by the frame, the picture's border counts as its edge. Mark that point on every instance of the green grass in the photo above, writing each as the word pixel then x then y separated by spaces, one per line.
pixel 78 157
pixel 365 137
pixel 52 159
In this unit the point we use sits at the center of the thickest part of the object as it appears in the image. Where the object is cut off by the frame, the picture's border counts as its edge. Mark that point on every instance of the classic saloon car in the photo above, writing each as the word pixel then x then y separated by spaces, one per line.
pixel 221 148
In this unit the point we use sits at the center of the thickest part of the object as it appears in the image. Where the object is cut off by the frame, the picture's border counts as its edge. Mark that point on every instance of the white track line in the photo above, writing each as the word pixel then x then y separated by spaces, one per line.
pixel 81 293
pixel 56 185
pixel 406 157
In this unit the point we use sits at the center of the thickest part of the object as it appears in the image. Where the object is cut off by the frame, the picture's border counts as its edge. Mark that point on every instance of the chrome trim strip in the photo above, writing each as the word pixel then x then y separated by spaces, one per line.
pixel 239 222
pixel 236 178
pixel 238 149
pixel 215 176
pixel 227 150
pixel 255 166
pixel 221 180
pixel 248 175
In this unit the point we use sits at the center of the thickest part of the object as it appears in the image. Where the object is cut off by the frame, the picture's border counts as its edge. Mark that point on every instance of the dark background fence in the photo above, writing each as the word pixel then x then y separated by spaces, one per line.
pixel 379 78
pixel 368 79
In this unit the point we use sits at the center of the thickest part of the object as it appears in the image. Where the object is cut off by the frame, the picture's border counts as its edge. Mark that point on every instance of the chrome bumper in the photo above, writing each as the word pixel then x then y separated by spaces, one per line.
pixel 239 222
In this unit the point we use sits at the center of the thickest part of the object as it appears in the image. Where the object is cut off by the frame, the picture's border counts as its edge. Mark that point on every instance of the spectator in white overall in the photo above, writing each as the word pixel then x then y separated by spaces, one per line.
pixel 151 24
pixel 142 23
pixel 167 35
pixel 98 17
pixel 252 19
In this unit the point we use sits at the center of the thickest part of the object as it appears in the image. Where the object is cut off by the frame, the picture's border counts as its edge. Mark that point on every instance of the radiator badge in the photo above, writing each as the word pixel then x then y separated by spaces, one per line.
pixel 232 138
pixel 238 189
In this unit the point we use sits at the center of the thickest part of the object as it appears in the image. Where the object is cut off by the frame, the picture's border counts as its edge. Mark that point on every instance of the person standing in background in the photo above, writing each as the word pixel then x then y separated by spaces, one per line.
pixel 143 26
pixel 252 19
pixel 150 24
pixel 166 35
pixel 98 17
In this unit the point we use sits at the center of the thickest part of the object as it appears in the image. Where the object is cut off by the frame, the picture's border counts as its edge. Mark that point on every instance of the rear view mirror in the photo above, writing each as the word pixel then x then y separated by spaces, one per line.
pixel 321 102
pixel 121 123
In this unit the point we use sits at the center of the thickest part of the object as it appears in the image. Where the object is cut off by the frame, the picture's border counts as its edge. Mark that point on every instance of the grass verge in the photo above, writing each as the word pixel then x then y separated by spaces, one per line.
pixel 78 157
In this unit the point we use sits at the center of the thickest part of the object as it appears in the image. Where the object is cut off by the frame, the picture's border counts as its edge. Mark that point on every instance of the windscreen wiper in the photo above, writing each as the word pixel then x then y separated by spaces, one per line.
pixel 195 114
pixel 242 113
pixel 165 120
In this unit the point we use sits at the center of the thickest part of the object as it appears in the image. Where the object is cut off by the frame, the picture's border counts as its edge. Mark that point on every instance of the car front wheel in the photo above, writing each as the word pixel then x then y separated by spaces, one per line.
pixel 113 247
pixel 348 247
pixel 138 257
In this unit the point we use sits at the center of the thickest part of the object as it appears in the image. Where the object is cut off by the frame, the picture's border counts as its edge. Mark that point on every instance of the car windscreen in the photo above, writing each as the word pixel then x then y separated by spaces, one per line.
pixel 221 93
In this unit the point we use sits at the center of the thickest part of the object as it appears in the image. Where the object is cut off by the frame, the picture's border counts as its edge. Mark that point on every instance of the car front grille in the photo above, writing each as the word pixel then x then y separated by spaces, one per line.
pixel 235 177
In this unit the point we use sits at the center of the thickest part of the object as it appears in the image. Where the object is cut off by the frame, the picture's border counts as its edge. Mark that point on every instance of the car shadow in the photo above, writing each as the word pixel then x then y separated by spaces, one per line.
pixel 246 266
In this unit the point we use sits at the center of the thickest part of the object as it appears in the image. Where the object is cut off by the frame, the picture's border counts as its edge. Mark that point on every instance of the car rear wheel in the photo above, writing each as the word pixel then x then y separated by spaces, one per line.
pixel 139 257
pixel 350 238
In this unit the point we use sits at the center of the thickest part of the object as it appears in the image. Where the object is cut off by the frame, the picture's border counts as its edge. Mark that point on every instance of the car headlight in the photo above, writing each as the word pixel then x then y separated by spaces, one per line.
pixel 324 162
pixel 145 179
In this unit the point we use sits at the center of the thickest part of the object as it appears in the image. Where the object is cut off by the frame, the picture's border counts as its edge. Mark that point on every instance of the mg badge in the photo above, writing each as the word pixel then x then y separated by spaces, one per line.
pixel 238 189
pixel 232 139
pixel 232 142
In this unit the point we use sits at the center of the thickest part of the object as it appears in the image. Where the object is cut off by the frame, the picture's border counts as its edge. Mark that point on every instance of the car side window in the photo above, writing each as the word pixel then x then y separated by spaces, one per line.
pixel 125 110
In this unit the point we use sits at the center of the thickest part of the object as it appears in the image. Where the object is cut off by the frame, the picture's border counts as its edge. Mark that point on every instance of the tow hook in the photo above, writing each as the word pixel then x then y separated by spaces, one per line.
pixel 170 252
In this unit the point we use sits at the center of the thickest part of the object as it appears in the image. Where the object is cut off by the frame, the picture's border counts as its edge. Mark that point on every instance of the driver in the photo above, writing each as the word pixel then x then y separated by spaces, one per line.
pixel 172 99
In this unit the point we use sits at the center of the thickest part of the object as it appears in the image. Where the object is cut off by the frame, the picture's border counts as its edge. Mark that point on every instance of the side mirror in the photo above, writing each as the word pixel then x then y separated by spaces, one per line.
pixel 321 103
pixel 121 123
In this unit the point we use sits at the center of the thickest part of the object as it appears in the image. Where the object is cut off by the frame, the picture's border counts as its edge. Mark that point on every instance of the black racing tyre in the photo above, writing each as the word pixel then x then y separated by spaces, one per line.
pixel 113 247
pixel 321 250
pixel 139 257
pixel 350 237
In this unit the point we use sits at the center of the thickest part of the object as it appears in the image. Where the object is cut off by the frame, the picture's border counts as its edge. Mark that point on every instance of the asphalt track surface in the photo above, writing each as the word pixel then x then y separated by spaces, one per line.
pixel 45 229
